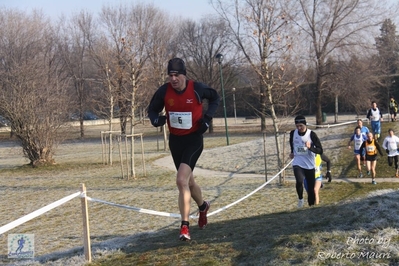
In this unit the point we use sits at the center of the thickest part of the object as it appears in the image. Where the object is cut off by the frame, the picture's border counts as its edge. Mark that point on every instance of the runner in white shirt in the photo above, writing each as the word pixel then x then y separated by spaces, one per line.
pixel 390 145
pixel 375 116
pixel 365 130
pixel 358 138
pixel 304 146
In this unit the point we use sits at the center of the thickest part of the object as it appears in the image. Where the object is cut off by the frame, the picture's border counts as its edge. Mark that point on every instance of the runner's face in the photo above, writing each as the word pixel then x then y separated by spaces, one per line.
pixel 301 127
pixel 178 81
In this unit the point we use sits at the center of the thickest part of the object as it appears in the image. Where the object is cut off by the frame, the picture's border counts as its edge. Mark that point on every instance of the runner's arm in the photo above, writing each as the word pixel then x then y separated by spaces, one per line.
pixel 157 103
pixel 384 144
pixel 378 148
pixel 291 141
pixel 363 145
pixel 351 139
pixel 327 160
pixel 368 114
pixel 316 148
pixel 206 92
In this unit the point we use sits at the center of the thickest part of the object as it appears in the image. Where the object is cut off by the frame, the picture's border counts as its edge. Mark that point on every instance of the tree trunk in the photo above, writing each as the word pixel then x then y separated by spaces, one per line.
pixel 319 96
pixel 36 154
pixel 263 107
pixel 336 109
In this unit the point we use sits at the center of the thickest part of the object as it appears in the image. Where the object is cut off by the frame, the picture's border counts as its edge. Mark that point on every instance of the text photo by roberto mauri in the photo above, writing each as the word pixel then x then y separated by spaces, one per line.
pixel 360 247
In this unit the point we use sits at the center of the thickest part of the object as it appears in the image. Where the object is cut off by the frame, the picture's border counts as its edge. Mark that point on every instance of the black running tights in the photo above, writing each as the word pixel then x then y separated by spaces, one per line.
pixel 300 174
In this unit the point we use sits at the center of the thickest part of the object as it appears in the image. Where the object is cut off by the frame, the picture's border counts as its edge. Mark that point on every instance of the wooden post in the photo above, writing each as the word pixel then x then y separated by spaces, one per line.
pixel 103 145
pixel 127 157
pixel 120 153
pixel 282 177
pixel 86 229
pixel 265 153
pixel 142 154
pixel 110 148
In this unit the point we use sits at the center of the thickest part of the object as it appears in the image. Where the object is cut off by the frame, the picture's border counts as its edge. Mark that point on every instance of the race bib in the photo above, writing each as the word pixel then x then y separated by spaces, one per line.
pixel 302 150
pixel 181 120
pixel 392 146
pixel 358 144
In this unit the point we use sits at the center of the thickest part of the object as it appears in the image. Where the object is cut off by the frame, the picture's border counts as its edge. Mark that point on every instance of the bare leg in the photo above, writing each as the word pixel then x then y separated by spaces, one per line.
pixel 317 186
pixel 195 190
pixel 187 189
pixel 368 165
pixel 358 161
pixel 372 165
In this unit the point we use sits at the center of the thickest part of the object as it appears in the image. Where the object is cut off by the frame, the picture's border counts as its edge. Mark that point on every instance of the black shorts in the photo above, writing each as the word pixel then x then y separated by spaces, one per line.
pixel 371 157
pixel 186 149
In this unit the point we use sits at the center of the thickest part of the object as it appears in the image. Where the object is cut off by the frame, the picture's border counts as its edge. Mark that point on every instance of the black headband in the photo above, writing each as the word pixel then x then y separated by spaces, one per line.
pixel 176 66
pixel 300 121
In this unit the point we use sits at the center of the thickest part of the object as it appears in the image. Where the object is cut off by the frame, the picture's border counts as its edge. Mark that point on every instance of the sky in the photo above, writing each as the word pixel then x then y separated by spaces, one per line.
pixel 194 9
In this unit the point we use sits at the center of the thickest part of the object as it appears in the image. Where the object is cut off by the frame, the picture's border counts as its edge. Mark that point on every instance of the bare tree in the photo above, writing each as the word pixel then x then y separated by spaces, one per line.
pixel 261 30
pixel 138 47
pixel 160 48
pixel 337 27
pixel 105 62
pixel 199 43
pixel 74 49
pixel 32 97
pixel 110 57
pixel 128 33
pixel 353 82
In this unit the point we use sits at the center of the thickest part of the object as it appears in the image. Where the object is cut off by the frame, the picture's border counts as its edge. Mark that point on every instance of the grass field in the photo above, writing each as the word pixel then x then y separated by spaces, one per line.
pixel 355 224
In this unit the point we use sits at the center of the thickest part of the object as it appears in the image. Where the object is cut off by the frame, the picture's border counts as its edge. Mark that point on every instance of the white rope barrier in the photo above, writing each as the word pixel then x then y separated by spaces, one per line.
pixel 175 215
pixel 36 213
pixel 250 194
pixel 55 204
pixel 141 210
pixel 332 125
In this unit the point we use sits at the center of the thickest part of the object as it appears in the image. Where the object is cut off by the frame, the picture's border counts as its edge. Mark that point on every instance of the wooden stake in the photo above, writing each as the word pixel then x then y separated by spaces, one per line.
pixel 86 229
pixel 142 154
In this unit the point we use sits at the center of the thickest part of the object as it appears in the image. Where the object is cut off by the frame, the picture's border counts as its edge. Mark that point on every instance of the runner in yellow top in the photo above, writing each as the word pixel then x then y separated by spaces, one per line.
pixel 372 147
pixel 318 176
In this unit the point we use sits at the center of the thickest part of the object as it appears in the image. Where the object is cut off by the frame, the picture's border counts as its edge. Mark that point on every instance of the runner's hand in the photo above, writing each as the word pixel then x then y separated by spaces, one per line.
pixel 204 125
pixel 159 122
pixel 328 176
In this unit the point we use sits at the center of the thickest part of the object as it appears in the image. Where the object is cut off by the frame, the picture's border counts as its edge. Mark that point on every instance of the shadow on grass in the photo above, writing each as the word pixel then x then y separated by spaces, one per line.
pixel 296 236
pixel 347 168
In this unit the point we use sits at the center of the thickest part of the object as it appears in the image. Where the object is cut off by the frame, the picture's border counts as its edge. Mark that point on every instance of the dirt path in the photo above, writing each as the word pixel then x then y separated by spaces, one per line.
pixel 247 159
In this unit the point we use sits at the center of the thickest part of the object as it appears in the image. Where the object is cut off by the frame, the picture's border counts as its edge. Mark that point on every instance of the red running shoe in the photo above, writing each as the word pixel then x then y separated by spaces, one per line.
pixel 203 220
pixel 184 233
